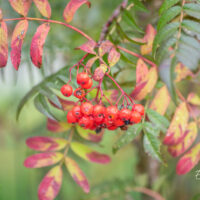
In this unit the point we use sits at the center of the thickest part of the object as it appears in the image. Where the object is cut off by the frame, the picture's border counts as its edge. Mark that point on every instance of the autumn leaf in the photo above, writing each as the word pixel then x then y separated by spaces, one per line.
pixel 189 160
pixel 89 134
pixel 44 7
pixel 88 47
pixel 18 36
pixel 57 127
pixel 113 57
pixel 161 100
pixel 37 44
pixel 145 83
pixel 141 71
pixel 1 14
pixel 3 44
pixel 89 154
pixel 177 128
pixel 43 159
pixel 77 174
pixel 51 184
pixel 191 134
pixel 193 99
pixel 40 143
pixel 21 6
pixel 148 38
pixel 182 72
pixel 105 47
pixel 91 61
pixel 72 7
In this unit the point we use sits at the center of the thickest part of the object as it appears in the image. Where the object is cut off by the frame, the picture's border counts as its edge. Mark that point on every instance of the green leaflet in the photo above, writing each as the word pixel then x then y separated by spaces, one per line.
pixel 167 4
pixel 191 26
pixel 192 9
pixel 42 106
pixel 151 142
pixel 127 137
pixel 168 15
pixel 158 120
pixel 139 5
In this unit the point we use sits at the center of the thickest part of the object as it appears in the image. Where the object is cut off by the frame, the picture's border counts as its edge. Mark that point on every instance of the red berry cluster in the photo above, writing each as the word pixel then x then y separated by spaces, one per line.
pixel 98 117
pixel 83 80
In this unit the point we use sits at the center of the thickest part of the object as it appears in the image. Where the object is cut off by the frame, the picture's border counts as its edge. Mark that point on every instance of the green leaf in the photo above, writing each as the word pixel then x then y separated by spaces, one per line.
pixel 127 137
pixel 151 128
pixel 168 15
pixel 167 4
pixel 42 106
pixel 50 95
pixel 160 121
pixel 191 25
pixel 139 5
pixel 152 144
pixel 166 32
pixel 192 9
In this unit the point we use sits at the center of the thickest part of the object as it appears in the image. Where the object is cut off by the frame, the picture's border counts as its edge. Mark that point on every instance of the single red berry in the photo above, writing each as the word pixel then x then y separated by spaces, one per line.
pixel 66 90
pixel 71 118
pixel 112 128
pixel 135 117
pixel 82 78
pixel 125 114
pixel 87 85
pixel 112 112
pixel 139 108
pixel 119 123
pixel 79 93
pixel 87 108
pixel 99 119
pixel 84 122
pixel 76 110
pixel 99 110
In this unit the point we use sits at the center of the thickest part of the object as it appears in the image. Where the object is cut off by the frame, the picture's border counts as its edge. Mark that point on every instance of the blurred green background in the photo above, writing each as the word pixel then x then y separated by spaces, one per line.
pixel 128 168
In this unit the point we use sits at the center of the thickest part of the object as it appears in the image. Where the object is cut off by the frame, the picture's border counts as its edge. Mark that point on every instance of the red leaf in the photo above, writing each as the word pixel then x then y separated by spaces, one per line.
pixel 57 127
pixel 21 6
pixel 141 71
pixel 1 14
pixel 50 185
pixel 72 7
pixel 77 174
pixel 3 44
pixel 105 47
pixel 189 160
pixel 88 47
pixel 46 143
pixel 37 44
pixel 113 57
pixel 17 42
pixel 44 7
pixel 42 159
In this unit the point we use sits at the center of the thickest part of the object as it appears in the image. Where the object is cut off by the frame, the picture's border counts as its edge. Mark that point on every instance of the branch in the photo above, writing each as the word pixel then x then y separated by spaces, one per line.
pixel 110 21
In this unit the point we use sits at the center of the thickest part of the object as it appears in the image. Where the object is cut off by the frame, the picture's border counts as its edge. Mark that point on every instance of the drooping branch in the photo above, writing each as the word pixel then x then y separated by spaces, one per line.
pixel 110 21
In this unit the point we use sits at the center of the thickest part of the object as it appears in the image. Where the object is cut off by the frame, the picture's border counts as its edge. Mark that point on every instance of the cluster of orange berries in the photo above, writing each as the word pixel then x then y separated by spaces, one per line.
pixel 83 80
pixel 98 117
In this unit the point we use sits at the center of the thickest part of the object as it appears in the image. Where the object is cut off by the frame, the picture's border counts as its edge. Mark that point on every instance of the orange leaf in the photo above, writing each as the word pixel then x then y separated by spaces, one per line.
pixel 43 159
pixel 77 174
pixel 21 6
pixel 113 57
pixel 189 160
pixel 17 42
pixel 37 44
pixel 161 101
pixel 148 38
pixel 51 184
pixel 57 127
pixel 3 44
pixel 72 7
pixel 191 134
pixel 141 71
pixel 46 143
pixel 146 83
pixel 44 7
pixel 193 99
pixel 182 72
pixel 88 47
pixel 177 128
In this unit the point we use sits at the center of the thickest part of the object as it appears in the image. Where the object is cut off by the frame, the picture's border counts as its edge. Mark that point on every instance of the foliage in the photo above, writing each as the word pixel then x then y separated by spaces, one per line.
pixel 162 58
